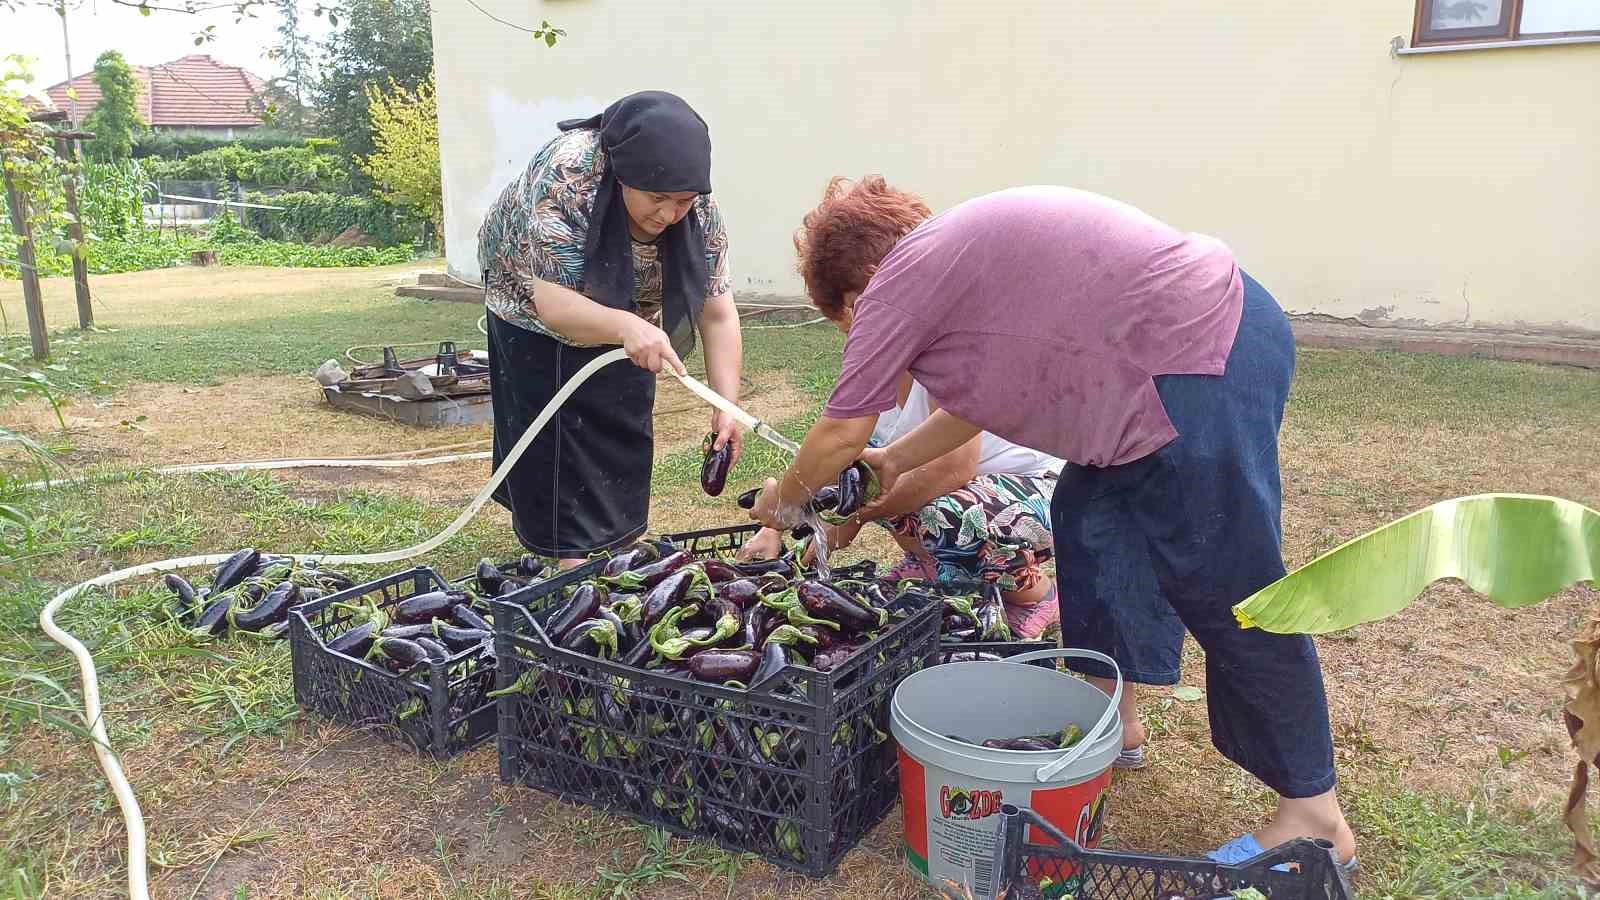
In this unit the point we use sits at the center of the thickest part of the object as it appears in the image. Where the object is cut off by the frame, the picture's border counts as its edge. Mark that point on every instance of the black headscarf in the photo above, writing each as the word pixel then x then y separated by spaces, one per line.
pixel 654 142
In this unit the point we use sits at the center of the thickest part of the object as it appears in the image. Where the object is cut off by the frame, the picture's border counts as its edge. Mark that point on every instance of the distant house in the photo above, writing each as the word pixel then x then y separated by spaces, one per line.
pixel 195 93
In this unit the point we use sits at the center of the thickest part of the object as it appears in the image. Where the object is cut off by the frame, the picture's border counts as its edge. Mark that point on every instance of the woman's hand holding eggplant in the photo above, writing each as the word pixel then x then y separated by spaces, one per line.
pixel 767 511
pixel 726 431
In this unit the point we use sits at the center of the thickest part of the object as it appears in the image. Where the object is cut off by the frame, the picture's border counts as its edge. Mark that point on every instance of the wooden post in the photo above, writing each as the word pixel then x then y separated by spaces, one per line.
pixel 30 273
pixel 68 150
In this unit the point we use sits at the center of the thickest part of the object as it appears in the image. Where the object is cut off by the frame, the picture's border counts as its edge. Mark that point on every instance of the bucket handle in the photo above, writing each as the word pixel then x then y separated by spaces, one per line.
pixel 1051 769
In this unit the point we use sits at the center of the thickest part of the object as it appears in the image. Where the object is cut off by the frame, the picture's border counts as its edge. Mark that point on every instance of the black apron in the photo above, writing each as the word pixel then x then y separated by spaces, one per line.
pixel 583 485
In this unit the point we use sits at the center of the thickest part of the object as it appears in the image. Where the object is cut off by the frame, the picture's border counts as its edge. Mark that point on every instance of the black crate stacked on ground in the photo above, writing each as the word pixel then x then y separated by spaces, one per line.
pixel 1309 871
pixel 723 542
pixel 688 756
pixel 439 708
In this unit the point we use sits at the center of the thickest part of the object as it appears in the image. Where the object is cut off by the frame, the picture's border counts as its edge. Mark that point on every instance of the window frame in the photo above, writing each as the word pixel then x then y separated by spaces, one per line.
pixel 1507 30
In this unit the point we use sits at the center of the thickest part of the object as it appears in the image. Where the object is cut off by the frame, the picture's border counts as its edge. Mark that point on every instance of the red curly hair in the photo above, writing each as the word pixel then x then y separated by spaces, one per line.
pixel 851 230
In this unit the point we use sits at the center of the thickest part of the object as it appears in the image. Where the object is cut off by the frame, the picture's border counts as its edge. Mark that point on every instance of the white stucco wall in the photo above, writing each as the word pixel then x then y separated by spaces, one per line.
pixel 1458 189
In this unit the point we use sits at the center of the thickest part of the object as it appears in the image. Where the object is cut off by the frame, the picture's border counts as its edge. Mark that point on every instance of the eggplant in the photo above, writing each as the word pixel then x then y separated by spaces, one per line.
pixel 424 607
pixel 621 627
pixel 724 665
pixel 180 586
pixel 265 561
pixel 638 655
pixel 992 622
pixel 529 566
pixel 747 500
pixel 235 569
pixel 308 594
pixel 669 593
pixel 719 571
pixel 273 608
pixel 961 635
pixel 213 619
pixel 774 657
pixel 356 641
pixel 583 604
pixel 726 824
pixel 436 651
pixel 826 498
pixel 742 592
pixel 593 637
pixel 650 575
pixel 830 659
pixel 489 577
pixel 823 601
pixel 277 631
pixel 459 639
pixel 407 632
pixel 714 467
pixel 402 652
pixel 717 607
pixel 858 486
pixel 952 622
pixel 639 557
pixel 510 584
pixel 781 566
pixel 467 617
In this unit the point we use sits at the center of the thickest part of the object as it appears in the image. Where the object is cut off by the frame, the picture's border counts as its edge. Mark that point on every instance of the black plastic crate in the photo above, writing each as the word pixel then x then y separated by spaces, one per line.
pixel 722 542
pixel 1064 869
pixel 439 708
pixel 796 770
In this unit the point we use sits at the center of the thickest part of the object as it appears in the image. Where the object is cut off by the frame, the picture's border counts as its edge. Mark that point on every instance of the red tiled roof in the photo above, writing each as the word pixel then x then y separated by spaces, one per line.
pixel 194 91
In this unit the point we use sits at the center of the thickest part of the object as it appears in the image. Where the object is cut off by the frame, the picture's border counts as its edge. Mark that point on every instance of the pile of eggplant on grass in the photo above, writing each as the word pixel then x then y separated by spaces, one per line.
pixel 250 593
pixel 728 623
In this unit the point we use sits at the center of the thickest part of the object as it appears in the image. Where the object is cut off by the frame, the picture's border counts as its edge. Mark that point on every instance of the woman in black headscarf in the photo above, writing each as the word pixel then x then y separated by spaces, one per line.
pixel 609 237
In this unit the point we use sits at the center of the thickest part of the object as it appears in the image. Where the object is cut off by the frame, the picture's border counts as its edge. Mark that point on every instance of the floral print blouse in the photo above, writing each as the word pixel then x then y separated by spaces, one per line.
pixel 536 230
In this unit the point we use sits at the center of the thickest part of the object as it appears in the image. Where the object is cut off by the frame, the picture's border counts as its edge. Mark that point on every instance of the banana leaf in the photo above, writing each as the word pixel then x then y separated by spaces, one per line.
pixel 1516 549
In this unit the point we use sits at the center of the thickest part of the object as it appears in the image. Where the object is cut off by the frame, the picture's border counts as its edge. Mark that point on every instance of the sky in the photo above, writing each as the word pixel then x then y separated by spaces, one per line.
pixel 99 25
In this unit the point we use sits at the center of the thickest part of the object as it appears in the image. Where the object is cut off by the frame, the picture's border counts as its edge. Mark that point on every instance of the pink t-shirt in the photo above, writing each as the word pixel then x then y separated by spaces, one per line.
pixel 1040 314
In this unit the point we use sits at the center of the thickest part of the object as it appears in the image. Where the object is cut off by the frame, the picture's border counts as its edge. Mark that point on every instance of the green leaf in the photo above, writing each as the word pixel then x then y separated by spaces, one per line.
pixel 549 38
pixel 144 10
pixel 1187 693
pixel 1517 549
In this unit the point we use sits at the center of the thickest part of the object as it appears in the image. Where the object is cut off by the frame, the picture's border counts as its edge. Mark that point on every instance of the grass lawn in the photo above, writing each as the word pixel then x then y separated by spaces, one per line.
pixel 1452 758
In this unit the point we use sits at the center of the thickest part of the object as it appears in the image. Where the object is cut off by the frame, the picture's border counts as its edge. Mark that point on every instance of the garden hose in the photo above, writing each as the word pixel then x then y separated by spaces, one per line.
pixel 138 863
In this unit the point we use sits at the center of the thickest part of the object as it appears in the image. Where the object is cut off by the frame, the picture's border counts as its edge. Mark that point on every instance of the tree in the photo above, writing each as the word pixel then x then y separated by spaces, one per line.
pixel 379 43
pixel 405 164
pixel 294 51
pixel 115 119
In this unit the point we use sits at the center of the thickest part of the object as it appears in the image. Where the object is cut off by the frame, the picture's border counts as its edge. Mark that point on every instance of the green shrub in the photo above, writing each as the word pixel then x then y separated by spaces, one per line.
pixel 170 145
pixel 319 216
pixel 301 167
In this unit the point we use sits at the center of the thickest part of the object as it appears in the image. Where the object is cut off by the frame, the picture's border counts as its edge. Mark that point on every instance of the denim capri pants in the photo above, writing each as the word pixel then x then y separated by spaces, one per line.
pixel 1172 541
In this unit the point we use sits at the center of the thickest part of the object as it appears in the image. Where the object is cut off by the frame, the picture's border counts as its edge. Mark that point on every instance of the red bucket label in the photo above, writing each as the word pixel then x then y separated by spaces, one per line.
pixel 950 822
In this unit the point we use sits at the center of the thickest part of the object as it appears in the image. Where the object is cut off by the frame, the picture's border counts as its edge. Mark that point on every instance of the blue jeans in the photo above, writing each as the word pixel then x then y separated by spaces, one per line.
pixel 1172 541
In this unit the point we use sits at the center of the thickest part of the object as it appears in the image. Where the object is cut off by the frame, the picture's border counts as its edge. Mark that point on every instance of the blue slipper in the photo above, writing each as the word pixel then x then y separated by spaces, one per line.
pixel 1131 759
pixel 1245 847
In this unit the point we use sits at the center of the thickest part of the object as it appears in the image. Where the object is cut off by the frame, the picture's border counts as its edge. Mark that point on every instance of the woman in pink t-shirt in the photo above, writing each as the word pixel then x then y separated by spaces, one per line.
pixel 1144 357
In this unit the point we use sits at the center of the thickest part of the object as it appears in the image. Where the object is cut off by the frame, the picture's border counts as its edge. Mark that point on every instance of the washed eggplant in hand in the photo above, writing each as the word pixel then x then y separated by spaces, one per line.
pixel 235 569
pixel 858 486
pixel 714 468
pixel 724 665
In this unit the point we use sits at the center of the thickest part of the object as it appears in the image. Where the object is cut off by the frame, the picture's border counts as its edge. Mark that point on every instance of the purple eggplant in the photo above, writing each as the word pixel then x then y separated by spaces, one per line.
pixel 637 655
pixel 724 665
pixel 436 651
pixel 960 636
pixel 235 569
pixel 458 639
pixel 356 641
pixel 720 572
pixel 754 625
pixel 272 608
pixel 747 500
pixel 858 486
pixel 510 584
pixel 970 656
pixel 407 632
pixel 638 557
pixel 670 592
pixel 402 653
pixel 213 620
pixel 783 566
pixel 652 574
pixel 424 607
pixel 593 637
pixel 489 577
pixel 467 617
pixel 714 467
pixel 742 592
pixel 583 604
pixel 529 566
pixel 180 586
pixel 833 657
pixel 824 602
pixel 625 641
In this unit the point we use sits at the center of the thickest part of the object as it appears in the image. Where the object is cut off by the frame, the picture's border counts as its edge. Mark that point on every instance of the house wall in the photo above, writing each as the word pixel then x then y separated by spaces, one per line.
pixel 1449 189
